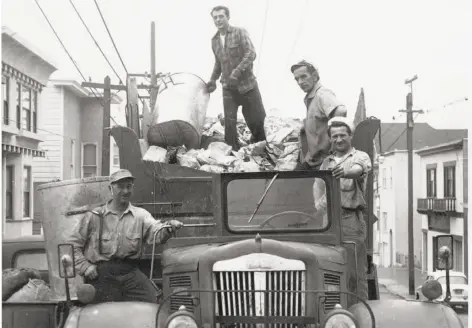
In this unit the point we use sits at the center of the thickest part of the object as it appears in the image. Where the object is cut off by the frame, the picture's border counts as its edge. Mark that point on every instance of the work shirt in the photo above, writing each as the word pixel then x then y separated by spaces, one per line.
pixel 236 53
pixel 320 103
pixel 352 190
pixel 122 236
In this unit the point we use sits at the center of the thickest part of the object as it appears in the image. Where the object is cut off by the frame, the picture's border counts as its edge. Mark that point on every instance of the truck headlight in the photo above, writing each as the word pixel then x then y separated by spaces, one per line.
pixel 181 319
pixel 339 318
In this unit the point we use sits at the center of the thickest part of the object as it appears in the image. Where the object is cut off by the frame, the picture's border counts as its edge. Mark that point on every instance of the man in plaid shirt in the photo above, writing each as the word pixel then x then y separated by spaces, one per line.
pixel 234 57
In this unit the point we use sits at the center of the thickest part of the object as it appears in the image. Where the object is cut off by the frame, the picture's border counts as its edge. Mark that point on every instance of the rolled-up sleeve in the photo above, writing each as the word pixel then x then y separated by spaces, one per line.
pixel 79 238
pixel 362 159
pixel 150 226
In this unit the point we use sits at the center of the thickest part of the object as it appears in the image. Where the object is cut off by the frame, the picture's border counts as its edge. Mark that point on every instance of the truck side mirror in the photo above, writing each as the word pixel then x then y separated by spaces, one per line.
pixel 66 261
pixel 443 252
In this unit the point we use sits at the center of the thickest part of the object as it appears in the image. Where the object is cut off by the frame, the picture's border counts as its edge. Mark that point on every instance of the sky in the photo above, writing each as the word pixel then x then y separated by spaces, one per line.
pixel 368 44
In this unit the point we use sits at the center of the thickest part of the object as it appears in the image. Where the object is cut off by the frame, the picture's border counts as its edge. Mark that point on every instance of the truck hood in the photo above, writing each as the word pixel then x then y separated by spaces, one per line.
pixel 186 259
pixel 116 315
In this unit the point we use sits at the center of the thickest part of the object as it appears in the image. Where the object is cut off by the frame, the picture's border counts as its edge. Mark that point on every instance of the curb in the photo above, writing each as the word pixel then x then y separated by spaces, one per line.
pixel 393 293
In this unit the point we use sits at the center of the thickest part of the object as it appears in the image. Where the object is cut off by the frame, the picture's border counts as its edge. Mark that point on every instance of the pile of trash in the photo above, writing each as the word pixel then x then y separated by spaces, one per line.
pixel 279 152
pixel 23 285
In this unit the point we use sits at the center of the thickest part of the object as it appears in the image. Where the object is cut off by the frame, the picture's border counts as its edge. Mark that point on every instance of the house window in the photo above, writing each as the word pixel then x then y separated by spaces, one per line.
pixel 384 221
pixel 26 191
pixel 89 160
pixel 431 183
pixel 9 186
pixel 391 178
pixel 72 159
pixel 5 98
pixel 450 181
pixel 116 155
pixel 26 107
pixel 18 106
pixel 34 107
pixel 384 178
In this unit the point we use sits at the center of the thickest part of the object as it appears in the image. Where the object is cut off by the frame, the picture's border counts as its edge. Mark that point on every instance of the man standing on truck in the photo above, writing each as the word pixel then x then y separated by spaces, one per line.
pixel 351 167
pixel 234 57
pixel 108 243
pixel 321 104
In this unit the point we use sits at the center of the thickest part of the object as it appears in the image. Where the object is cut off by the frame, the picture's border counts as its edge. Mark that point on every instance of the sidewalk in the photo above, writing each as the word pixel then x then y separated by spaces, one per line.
pixel 396 281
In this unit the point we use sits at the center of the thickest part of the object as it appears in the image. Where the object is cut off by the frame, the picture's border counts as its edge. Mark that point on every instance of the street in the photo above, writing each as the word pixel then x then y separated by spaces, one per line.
pixel 400 275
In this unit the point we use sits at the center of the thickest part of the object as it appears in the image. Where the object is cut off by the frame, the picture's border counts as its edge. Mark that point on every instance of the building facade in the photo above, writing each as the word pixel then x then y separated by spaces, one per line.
pixel 72 132
pixel 391 191
pixel 25 72
pixel 441 201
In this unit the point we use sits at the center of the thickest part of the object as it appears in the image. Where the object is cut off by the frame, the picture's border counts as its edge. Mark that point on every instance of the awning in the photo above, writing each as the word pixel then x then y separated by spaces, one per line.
pixel 22 150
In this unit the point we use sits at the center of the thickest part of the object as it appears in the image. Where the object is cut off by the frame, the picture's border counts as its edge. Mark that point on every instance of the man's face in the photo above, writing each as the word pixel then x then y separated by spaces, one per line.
pixel 306 80
pixel 340 138
pixel 122 190
pixel 220 19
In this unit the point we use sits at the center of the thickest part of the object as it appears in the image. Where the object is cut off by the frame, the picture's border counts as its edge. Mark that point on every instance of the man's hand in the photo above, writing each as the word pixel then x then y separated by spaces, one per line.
pixel 338 172
pixel 233 80
pixel 91 272
pixel 211 86
pixel 171 227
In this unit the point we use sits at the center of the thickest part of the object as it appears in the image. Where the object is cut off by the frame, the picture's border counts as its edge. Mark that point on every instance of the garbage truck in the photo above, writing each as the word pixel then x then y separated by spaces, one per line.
pixel 252 253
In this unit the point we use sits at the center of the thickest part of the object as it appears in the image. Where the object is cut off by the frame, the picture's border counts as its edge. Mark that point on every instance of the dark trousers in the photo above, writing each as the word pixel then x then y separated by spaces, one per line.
pixel 253 112
pixel 121 282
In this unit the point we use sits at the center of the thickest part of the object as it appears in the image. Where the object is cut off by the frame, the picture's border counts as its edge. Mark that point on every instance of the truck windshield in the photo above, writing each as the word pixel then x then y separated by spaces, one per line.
pixel 288 205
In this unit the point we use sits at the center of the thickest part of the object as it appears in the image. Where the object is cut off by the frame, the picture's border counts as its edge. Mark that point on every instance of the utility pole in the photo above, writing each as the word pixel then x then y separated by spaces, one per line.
pixel 154 90
pixel 409 137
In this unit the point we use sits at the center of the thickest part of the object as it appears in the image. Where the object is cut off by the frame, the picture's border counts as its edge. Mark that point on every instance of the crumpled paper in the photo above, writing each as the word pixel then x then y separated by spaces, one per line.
pixel 279 152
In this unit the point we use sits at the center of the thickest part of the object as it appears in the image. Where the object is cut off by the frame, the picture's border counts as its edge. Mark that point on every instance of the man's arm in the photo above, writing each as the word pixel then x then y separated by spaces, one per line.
pixel 249 54
pixel 216 68
pixel 79 239
pixel 330 104
pixel 151 225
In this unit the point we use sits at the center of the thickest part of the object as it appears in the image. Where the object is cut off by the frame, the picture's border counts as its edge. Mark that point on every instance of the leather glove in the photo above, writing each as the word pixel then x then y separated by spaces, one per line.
pixel 211 86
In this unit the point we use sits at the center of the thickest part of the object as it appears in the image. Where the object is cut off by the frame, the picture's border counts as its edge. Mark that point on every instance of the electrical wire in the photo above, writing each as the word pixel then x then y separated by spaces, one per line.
pixel 299 30
pixel 73 61
pixel 403 132
pixel 109 34
pixel 263 34
pixel 96 43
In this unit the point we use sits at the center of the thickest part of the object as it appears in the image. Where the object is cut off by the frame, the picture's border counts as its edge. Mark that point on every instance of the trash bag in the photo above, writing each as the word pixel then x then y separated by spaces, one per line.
pixel 14 279
pixel 188 160
pixel 155 154
pixel 219 147
pixel 34 290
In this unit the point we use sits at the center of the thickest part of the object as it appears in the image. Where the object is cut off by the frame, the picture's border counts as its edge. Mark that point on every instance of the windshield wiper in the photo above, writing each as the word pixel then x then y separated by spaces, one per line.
pixel 263 196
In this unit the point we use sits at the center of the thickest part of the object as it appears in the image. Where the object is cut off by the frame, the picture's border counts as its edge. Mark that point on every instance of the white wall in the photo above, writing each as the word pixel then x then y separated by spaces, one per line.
pixel 50 119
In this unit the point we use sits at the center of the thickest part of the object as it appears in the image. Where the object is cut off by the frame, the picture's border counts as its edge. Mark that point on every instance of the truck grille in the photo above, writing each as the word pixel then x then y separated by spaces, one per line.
pixel 285 303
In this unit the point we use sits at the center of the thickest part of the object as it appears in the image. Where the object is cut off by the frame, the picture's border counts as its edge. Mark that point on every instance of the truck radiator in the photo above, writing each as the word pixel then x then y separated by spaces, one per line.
pixel 286 303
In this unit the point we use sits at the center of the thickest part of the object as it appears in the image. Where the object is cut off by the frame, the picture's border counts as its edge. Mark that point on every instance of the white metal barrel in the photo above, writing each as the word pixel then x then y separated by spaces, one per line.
pixel 58 198
pixel 181 111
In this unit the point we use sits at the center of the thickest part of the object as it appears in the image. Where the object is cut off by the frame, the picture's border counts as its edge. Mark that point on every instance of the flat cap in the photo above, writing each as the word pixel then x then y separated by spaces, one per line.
pixel 302 63
pixel 342 120
pixel 120 175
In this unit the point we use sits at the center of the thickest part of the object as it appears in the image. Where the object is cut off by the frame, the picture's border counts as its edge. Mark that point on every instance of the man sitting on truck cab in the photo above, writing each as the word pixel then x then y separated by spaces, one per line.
pixel 351 166
pixel 108 243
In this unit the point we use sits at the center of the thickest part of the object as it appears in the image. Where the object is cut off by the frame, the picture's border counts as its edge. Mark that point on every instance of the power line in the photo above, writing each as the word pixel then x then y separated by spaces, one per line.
pixel 403 132
pixel 96 43
pixel 72 59
pixel 297 36
pixel 111 38
pixel 63 46
pixel 263 34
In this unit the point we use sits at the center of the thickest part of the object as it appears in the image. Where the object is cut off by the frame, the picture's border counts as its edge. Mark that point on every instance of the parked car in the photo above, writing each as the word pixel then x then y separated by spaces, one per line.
pixel 25 252
pixel 459 287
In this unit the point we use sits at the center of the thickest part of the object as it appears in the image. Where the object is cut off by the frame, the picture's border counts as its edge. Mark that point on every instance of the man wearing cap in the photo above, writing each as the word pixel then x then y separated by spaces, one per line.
pixel 234 57
pixel 321 104
pixel 351 167
pixel 108 244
